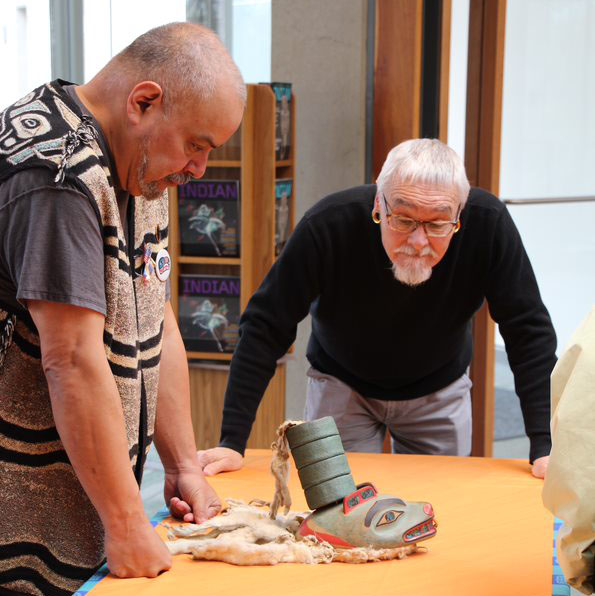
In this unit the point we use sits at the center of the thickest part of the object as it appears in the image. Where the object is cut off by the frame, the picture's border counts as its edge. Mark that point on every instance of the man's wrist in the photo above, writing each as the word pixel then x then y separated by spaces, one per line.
pixel 233 447
pixel 541 445
pixel 180 458
pixel 181 466
pixel 119 519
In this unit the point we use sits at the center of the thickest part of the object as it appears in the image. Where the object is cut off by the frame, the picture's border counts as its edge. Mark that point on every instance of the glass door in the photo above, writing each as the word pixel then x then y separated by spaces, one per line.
pixel 547 176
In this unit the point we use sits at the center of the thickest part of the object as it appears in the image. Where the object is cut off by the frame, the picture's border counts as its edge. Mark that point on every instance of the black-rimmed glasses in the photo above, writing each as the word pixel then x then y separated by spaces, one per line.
pixel 433 229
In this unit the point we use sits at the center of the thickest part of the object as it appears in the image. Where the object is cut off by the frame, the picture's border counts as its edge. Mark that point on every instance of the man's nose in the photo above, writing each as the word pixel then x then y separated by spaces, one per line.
pixel 418 238
pixel 197 166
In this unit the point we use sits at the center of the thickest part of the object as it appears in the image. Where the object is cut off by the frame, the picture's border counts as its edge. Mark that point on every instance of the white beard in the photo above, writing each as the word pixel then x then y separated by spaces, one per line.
pixel 415 271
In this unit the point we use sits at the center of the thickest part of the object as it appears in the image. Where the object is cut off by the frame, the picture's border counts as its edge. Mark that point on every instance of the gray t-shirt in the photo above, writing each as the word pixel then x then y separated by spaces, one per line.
pixel 51 247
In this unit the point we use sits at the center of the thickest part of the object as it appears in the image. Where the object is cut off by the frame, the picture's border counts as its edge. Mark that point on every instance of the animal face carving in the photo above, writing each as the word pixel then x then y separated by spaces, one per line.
pixel 368 519
pixel 23 130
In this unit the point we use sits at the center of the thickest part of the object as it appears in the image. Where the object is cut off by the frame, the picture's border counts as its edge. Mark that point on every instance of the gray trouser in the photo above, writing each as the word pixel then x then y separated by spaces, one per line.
pixel 435 424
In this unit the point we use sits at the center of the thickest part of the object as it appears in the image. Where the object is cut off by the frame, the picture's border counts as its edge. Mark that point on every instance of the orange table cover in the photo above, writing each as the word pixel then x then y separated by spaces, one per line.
pixel 494 536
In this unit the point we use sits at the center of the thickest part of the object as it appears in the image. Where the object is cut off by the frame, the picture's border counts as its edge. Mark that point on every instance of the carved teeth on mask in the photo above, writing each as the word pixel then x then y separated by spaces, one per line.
pixel 421 531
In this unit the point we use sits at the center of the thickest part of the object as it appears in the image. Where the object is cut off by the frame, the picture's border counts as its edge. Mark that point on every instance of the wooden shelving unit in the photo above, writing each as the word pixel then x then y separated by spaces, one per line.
pixel 226 163
pixel 209 261
pixel 250 157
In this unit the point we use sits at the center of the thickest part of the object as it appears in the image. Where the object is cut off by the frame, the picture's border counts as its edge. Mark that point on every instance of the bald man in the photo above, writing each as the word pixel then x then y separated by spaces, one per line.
pixel 92 365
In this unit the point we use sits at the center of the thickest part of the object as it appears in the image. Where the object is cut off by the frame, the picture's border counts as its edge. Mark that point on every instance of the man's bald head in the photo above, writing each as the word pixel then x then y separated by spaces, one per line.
pixel 187 60
pixel 164 103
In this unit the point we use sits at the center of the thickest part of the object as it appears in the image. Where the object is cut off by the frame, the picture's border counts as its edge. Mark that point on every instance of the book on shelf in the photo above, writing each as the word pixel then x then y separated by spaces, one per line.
pixel 283 191
pixel 209 312
pixel 209 216
pixel 282 93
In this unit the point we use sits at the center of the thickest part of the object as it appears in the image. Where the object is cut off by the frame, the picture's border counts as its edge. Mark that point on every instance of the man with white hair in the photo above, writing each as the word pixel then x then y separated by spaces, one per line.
pixel 92 365
pixel 392 275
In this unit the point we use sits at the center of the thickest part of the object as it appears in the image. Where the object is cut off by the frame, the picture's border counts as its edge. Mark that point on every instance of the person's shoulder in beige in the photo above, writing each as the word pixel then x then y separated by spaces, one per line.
pixel 569 488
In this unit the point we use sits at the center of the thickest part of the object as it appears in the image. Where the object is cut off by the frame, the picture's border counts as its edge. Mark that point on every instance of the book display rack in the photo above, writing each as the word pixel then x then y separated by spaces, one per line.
pixel 226 231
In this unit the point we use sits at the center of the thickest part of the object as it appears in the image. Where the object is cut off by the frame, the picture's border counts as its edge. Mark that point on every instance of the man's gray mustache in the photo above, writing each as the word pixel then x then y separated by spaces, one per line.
pixel 179 178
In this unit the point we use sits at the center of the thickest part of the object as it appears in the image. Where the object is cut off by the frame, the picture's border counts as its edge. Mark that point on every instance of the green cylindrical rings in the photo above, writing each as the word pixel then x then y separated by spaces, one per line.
pixel 320 459
pixel 317 450
pixel 310 431
pixel 324 470
pixel 329 492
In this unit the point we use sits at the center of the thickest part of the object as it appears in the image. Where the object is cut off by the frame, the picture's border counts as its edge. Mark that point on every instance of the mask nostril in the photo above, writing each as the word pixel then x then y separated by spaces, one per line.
pixel 428 509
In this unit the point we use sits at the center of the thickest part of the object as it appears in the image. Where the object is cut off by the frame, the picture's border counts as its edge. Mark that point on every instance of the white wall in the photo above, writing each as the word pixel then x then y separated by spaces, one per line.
pixel 109 26
pixel 97 36
pixel 25 58
pixel 457 87
pixel 548 147
pixel 548 120
pixel 251 48
pixel 320 47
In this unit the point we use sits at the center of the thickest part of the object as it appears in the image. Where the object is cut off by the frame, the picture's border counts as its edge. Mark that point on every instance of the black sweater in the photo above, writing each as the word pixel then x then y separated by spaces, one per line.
pixel 383 338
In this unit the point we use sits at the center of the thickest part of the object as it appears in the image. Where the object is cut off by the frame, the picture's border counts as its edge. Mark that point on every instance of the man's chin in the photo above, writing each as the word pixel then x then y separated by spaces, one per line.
pixel 412 276
pixel 153 190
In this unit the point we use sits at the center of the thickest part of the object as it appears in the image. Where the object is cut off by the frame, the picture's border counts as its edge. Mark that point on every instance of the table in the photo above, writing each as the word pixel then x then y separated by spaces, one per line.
pixel 494 536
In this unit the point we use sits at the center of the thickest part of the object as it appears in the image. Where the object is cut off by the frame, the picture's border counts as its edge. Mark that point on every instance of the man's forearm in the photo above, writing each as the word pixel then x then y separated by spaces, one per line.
pixel 89 418
pixel 249 375
pixel 87 409
pixel 174 436
pixel 88 414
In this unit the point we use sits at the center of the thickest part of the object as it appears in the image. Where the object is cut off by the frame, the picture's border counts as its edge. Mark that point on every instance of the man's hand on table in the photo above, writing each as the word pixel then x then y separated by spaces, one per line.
pixel 190 497
pixel 219 459
pixel 134 549
pixel 539 467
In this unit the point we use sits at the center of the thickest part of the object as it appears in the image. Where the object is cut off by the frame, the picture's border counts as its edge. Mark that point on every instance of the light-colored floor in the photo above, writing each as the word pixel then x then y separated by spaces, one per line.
pixel 517 448
pixel 152 485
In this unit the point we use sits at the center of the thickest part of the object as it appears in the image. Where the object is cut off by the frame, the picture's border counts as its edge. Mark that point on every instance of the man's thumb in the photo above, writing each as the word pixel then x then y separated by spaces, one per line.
pixel 204 457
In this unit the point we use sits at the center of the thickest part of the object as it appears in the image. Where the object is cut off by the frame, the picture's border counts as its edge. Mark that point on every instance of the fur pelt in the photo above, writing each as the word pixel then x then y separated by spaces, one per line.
pixel 248 534
pixel 245 534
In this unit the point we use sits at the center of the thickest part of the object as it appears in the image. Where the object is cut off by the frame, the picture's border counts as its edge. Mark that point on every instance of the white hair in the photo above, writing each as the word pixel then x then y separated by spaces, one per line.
pixel 424 161
pixel 187 60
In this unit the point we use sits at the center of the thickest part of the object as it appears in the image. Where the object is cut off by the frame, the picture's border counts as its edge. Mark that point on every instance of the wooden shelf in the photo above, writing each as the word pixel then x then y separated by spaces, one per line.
pixel 209 355
pixel 209 260
pixel 224 163
pixel 250 155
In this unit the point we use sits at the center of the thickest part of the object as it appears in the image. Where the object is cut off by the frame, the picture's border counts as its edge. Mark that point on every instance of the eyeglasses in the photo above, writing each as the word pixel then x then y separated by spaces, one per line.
pixel 433 229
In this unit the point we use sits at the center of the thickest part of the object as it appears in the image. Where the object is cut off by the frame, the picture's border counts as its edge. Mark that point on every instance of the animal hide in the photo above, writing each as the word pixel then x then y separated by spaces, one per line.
pixel 245 534
pixel 280 468
pixel 248 534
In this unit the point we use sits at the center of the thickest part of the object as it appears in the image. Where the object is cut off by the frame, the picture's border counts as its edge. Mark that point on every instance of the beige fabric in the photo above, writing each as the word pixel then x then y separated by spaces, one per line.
pixel 569 488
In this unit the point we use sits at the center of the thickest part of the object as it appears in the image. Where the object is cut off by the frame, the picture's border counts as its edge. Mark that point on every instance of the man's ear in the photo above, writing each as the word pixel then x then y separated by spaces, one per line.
pixel 146 98
pixel 376 210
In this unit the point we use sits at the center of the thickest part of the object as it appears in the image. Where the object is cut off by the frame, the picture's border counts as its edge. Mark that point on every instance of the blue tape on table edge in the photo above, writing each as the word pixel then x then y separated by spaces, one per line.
pixel 103 570
pixel 559 585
